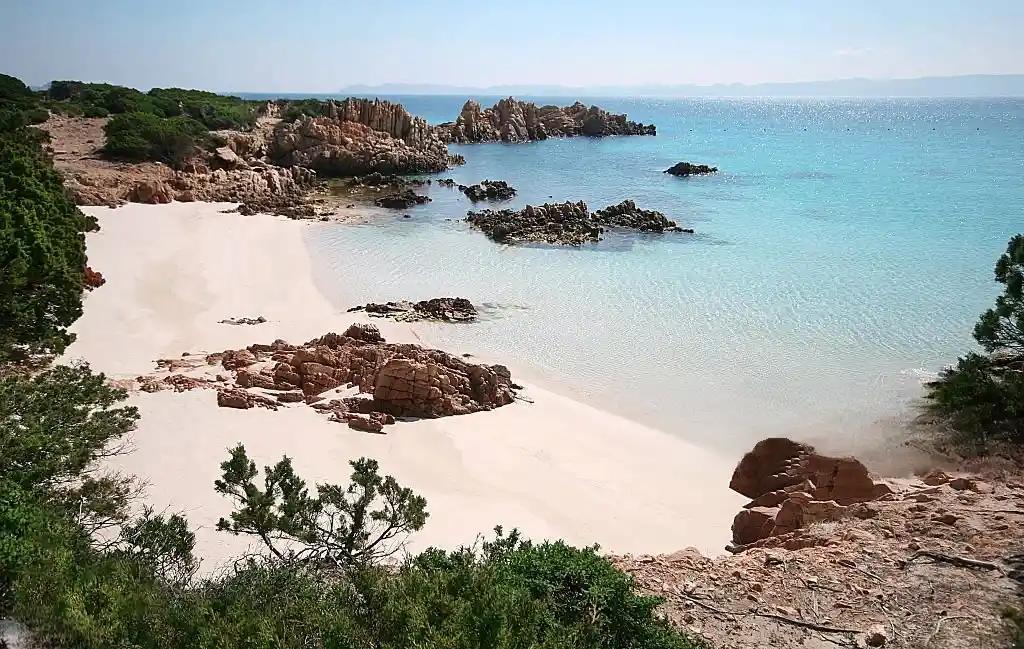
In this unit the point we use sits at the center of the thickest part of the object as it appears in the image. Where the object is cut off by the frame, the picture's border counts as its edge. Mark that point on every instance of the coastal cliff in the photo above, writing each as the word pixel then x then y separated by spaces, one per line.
pixel 512 120
pixel 359 136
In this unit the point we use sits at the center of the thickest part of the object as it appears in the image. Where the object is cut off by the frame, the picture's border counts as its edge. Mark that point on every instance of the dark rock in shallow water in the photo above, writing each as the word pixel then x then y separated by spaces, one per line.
pixel 401 200
pixel 627 215
pixel 439 309
pixel 447 182
pixel 566 223
pixel 489 190
pixel 511 120
pixel 690 169
pixel 377 179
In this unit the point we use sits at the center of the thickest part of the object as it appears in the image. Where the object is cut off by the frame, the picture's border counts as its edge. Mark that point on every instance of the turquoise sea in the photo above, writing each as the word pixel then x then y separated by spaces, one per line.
pixel 842 256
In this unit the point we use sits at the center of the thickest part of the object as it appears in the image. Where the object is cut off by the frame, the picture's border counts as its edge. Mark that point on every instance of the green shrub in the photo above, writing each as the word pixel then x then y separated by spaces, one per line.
pixel 293 109
pixel 42 250
pixel 91 110
pixel 37 115
pixel 13 89
pixel 982 397
pixel 214 111
pixel 142 136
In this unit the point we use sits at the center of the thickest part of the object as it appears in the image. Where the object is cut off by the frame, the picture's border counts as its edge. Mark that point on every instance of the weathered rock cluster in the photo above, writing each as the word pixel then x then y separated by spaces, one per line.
pixel 489 190
pixel 627 215
pixel 690 169
pixel 512 120
pixel 360 136
pixel 438 309
pixel 401 200
pixel 402 380
pixel 792 487
pixel 566 223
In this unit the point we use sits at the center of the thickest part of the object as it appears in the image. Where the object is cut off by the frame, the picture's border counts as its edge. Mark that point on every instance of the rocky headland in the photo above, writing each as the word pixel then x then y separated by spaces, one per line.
pixel 438 309
pixel 357 137
pixel 690 169
pixel 567 223
pixel 512 120
pixel 489 190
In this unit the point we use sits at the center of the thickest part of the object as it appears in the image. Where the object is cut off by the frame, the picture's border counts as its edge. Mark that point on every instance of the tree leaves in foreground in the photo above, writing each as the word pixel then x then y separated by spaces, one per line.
pixel 982 396
pixel 339 526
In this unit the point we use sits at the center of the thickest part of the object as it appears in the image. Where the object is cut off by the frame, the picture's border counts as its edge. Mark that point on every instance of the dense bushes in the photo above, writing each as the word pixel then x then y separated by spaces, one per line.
pixel 143 136
pixel 210 109
pixel 42 249
pixel 982 396
pixel 293 109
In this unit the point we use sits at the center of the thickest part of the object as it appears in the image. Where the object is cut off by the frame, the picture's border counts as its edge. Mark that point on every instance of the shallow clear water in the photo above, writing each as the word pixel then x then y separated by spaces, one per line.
pixel 842 254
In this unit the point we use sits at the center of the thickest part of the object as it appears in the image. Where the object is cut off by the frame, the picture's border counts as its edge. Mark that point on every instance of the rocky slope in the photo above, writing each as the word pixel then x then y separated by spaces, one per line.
pixel 566 223
pixel 360 136
pixel 512 120
pixel 847 560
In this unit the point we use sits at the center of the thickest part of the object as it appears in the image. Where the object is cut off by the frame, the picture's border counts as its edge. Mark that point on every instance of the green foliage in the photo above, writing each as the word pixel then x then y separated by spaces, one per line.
pixel 142 136
pixel 293 109
pixel 91 110
pixel 982 397
pixel 1013 620
pixel 338 527
pixel 42 250
pixel 13 89
pixel 212 110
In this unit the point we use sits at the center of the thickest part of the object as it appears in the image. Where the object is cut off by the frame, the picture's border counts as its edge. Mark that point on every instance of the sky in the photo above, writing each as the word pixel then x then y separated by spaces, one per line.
pixel 324 45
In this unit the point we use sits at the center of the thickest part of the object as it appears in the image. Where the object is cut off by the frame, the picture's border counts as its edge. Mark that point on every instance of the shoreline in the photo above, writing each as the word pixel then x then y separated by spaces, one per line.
pixel 556 468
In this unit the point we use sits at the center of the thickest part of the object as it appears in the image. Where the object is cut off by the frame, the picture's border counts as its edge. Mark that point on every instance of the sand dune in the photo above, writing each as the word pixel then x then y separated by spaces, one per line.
pixel 555 468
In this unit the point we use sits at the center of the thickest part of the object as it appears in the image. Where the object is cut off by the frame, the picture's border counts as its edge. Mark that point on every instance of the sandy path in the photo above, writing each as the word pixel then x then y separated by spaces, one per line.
pixel 555 468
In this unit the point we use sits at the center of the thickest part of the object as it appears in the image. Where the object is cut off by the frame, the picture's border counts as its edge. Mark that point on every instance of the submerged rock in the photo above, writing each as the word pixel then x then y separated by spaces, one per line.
pixel 690 169
pixel 512 120
pixel 489 190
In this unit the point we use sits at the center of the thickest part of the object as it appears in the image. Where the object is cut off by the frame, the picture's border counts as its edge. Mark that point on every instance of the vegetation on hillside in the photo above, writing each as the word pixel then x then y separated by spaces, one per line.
pixel 982 396
pixel 138 137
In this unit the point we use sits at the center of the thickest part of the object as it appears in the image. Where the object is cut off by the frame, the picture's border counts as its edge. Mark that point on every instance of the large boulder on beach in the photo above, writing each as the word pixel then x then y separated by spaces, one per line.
pixel 511 120
pixel 358 137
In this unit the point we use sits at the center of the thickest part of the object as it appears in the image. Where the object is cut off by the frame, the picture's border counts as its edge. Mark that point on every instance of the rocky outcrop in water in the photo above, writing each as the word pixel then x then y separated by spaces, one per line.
pixel 512 120
pixel 567 223
pixel 357 137
pixel 439 309
pixel 690 169
pixel 489 190
pixel 401 200
pixel 627 215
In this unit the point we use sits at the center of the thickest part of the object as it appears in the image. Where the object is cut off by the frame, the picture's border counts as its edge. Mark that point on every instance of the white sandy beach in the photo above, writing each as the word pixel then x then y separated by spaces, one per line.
pixel 555 468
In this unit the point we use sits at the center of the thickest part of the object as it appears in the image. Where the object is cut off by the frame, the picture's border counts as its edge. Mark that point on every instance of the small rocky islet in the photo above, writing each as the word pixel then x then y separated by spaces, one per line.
pixel 568 223
pixel 439 309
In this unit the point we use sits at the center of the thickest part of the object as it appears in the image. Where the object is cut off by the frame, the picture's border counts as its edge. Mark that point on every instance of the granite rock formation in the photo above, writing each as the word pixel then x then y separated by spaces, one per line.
pixel 357 137
pixel 566 223
pixel 792 486
pixel 401 200
pixel 489 190
pixel 690 169
pixel 627 215
pixel 512 120
pixel 403 380
pixel 438 309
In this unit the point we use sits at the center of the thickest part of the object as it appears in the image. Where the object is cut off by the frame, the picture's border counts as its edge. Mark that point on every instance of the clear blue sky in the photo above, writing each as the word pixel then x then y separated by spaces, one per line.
pixel 322 45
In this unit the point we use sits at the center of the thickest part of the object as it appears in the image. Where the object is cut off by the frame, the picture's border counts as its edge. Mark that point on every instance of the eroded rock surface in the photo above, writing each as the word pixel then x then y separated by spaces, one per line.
pixel 690 169
pixel 512 120
pixel 438 309
pixel 566 223
pixel 489 190
pixel 360 136
pixel 401 200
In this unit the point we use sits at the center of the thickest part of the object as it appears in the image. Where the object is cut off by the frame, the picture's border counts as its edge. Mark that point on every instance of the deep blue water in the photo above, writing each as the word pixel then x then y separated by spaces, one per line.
pixel 843 253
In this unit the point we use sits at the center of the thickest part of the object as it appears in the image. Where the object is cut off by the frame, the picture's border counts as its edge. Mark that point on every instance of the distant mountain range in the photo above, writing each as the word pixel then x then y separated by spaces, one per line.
pixel 975 85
